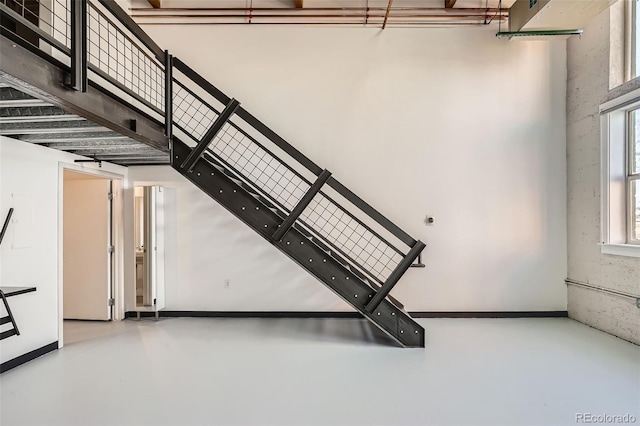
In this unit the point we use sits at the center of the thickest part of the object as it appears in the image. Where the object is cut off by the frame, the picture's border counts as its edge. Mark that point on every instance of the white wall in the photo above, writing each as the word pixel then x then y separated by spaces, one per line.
pixel 33 171
pixel 212 246
pixel 589 59
pixel 453 123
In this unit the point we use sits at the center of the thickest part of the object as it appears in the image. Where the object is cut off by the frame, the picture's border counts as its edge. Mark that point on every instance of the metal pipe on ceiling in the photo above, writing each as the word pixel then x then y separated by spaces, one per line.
pixel 423 23
pixel 355 17
pixel 366 16
pixel 313 9
pixel 386 15
pixel 337 16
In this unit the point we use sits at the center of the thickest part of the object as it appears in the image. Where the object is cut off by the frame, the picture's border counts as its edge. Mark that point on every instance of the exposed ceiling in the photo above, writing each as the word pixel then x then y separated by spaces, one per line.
pixel 521 14
pixel 378 13
pixel 32 120
pixel 284 4
pixel 37 121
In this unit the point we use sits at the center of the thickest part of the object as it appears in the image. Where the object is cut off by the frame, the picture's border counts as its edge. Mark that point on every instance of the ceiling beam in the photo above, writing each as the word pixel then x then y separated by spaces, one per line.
pixel 122 158
pixel 48 131
pixel 22 103
pixel 91 137
pixel 88 146
pixel 448 4
pixel 127 158
pixel 147 162
pixel 157 4
pixel 39 119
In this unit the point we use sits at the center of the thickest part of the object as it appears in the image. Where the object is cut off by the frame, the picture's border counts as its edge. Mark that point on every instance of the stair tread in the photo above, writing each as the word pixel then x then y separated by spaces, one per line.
pixel 320 244
pixel 211 160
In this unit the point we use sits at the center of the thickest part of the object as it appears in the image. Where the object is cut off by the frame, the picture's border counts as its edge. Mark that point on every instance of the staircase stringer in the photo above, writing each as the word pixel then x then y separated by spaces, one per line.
pixel 258 216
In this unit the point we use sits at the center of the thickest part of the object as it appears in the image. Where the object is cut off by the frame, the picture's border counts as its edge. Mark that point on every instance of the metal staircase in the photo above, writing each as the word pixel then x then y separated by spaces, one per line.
pixel 229 154
pixel 7 319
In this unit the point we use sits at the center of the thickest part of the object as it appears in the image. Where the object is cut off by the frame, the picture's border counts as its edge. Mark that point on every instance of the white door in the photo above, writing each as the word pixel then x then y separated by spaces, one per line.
pixel 86 240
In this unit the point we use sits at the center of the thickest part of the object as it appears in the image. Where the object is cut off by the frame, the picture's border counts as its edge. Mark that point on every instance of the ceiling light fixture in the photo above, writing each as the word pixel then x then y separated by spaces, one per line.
pixel 534 33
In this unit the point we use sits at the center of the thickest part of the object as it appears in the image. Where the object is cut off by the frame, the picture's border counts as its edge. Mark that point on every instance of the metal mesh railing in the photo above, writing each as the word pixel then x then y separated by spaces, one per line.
pixel 242 154
pixel 113 52
pixel 52 17
pixel 61 18
pixel 348 237
pixel 352 238
pixel 258 165
pixel 191 113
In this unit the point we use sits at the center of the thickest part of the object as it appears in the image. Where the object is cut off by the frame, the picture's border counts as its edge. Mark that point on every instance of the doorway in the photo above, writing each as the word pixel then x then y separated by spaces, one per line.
pixel 88 264
pixel 149 233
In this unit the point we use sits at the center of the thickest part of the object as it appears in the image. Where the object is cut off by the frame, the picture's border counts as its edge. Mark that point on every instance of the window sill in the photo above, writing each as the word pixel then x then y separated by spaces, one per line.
pixel 628 250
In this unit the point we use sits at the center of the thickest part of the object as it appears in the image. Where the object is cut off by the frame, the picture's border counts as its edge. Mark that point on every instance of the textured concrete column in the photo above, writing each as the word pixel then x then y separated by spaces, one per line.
pixel 589 76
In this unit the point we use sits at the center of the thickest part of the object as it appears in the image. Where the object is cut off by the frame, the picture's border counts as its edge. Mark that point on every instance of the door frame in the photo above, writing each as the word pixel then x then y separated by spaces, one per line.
pixel 117 225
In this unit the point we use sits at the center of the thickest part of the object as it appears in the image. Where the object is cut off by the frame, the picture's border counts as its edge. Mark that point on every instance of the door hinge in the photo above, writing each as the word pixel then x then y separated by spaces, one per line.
pixel 110 196
pixel 112 301
pixel 111 249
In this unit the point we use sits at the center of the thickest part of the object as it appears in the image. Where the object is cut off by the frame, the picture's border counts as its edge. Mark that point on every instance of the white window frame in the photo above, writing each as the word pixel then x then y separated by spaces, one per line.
pixel 616 207
pixel 631 179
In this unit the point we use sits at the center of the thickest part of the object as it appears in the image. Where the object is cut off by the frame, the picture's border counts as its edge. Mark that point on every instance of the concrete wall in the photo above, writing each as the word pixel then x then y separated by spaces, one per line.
pixel 588 84
pixel 30 180
pixel 451 123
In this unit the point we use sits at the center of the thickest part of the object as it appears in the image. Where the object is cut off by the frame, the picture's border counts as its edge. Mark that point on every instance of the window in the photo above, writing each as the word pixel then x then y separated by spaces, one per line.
pixel 620 123
pixel 633 11
pixel 633 177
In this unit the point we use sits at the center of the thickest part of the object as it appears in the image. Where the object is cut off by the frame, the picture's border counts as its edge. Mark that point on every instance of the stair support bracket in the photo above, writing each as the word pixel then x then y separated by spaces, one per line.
pixel 302 204
pixel 213 131
pixel 395 276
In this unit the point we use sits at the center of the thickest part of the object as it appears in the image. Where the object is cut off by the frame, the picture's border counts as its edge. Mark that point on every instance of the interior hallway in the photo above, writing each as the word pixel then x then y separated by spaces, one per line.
pixel 188 371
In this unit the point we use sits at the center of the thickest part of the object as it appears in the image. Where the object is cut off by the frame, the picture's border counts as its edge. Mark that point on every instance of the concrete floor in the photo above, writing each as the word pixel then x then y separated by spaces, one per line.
pixel 186 371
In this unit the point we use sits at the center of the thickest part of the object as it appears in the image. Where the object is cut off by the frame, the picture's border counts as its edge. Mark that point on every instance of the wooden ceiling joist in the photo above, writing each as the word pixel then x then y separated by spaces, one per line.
pixel 157 4
pixel 449 3
pixel 299 4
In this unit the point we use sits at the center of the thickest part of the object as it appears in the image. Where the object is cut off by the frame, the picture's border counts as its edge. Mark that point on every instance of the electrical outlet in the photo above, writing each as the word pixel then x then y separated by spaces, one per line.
pixel 227 283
